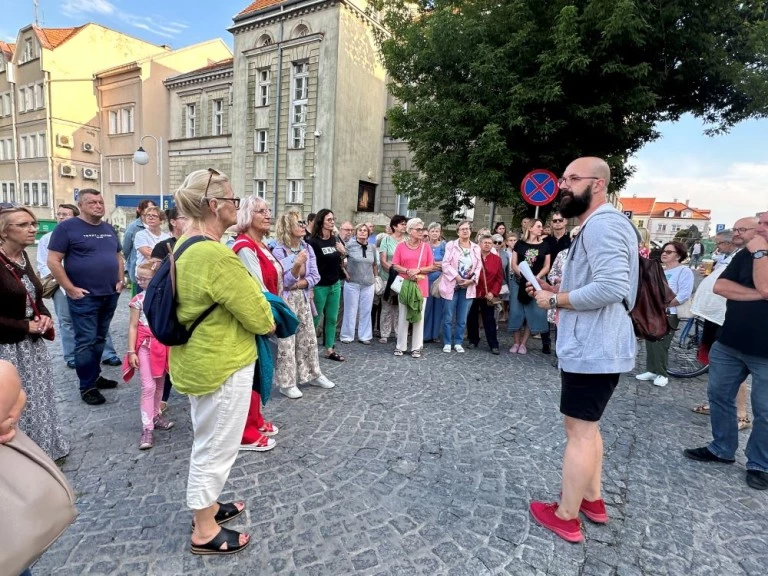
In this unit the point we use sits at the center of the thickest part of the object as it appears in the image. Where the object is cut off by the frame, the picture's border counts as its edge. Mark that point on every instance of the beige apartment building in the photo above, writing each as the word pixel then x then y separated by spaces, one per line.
pixel 49 120
pixel 133 105
pixel 201 121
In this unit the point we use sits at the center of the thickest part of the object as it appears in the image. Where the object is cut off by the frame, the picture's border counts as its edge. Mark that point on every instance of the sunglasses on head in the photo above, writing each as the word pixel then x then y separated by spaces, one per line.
pixel 9 206
pixel 211 173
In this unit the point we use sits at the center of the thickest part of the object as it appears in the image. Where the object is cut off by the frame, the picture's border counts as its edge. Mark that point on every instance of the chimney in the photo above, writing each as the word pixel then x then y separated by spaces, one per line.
pixel 687 202
pixel 674 200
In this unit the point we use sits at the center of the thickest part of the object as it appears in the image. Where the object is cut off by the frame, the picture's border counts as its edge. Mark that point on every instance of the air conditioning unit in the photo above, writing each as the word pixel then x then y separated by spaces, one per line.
pixel 90 174
pixel 87 147
pixel 67 170
pixel 64 141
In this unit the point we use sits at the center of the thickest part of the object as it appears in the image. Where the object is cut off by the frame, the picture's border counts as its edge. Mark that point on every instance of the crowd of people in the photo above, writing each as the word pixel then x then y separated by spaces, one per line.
pixel 408 281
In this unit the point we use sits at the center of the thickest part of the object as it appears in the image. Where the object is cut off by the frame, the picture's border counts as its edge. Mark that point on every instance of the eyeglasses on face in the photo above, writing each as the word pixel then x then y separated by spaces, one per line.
pixel 24 225
pixel 669 251
pixel 574 178
pixel 263 211
pixel 557 220
pixel 151 216
pixel 497 243
pixel 235 201
pixel 743 230
pixel 301 224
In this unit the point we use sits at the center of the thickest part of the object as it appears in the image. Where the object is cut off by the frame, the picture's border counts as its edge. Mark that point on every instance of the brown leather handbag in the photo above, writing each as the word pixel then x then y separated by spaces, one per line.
pixel 36 501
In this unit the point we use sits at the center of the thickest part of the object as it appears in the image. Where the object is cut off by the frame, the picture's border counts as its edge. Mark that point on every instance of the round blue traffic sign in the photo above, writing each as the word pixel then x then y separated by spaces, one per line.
pixel 539 187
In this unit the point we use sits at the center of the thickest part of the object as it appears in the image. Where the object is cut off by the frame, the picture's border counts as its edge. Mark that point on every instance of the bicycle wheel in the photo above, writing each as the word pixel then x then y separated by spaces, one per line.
pixel 684 350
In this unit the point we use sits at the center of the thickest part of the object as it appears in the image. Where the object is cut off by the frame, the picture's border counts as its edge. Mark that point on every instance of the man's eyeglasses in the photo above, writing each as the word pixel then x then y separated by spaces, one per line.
pixel 574 179
pixel 557 220
pixel 743 230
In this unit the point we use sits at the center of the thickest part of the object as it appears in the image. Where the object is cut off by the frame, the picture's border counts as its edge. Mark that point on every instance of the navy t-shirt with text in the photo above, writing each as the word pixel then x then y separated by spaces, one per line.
pixel 90 254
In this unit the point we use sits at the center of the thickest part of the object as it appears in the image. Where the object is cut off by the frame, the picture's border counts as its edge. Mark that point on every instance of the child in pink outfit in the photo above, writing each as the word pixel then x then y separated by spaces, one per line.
pixel 151 358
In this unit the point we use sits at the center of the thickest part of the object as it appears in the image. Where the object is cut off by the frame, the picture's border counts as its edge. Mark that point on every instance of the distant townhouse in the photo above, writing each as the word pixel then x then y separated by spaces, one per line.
pixel 663 220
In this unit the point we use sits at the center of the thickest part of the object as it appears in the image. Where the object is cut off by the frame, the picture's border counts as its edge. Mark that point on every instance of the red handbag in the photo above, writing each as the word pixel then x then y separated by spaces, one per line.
pixel 49 334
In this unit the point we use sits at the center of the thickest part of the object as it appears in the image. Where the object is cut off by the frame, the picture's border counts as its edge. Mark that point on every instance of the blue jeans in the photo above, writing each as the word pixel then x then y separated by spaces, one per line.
pixel 433 319
pixel 67 333
pixel 728 368
pixel 26 572
pixel 456 309
pixel 91 316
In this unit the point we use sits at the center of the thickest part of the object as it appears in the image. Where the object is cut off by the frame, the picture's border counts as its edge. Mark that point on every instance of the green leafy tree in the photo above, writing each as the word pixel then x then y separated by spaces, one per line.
pixel 495 88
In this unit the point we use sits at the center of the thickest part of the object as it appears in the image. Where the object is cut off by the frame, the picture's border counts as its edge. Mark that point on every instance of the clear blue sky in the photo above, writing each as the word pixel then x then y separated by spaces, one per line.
pixel 728 174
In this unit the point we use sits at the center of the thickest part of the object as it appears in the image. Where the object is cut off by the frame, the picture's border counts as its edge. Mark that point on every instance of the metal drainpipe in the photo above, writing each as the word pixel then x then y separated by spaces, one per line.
pixel 491 215
pixel 49 144
pixel 277 115
pixel 14 147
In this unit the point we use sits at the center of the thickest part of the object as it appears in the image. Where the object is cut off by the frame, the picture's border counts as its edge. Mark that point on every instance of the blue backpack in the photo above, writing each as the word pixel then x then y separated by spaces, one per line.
pixel 160 302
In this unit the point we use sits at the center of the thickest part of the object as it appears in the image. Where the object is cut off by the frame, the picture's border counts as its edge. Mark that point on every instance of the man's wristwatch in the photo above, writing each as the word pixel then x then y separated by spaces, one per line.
pixel 553 302
pixel 757 254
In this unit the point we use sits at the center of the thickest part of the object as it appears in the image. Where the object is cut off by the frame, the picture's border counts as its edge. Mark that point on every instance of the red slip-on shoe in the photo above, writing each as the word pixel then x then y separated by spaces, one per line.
pixel 544 514
pixel 594 511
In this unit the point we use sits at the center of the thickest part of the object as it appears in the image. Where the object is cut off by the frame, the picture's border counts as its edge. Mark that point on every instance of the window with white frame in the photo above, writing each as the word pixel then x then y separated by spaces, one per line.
pixel 661 228
pixel 260 141
pixel 121 170
pixel 299 100
pixel 191 114
pixel 22 100
pixel 402 205
pixel 260 188
pixel 41 145
pixel 4 191
pixel 262 91
pixel 218 117
pixel 29 51
pixel 6 149
pixel 39 95
pixel 27 195
pixel 5 104
pixel 44 194
pixel 121 120
pixel 31 146
pixel 295 194
pixel 22 147
pixel 669 213
pixel 29 98
pixel 35 193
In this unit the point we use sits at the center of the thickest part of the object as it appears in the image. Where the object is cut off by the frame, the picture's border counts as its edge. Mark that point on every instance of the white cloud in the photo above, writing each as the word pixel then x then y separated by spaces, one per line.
pixel 80 8
pixel 731 191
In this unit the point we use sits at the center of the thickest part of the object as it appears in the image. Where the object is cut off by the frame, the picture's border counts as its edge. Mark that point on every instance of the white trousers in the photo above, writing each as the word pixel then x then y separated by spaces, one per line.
pixel 358 299
pixel 218 421
pixel 417 342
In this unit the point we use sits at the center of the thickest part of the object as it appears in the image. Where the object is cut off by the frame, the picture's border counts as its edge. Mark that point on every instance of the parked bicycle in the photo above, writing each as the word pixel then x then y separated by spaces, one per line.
pixel 684 360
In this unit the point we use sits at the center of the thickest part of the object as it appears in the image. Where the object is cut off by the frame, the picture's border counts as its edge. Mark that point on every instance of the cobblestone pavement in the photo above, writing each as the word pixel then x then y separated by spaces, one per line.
pixel 412 467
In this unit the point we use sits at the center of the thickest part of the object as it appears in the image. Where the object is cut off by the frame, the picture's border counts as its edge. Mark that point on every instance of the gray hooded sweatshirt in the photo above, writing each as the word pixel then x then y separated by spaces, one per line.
pixel 601 271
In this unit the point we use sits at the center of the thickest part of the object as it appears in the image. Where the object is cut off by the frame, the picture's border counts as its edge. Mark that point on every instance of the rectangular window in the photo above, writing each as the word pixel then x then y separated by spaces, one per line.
pixel 260 188
pixel 22 99
pixel 32 146
pixel 4 188
pixel 299 102
pixel 37 90
pixel 35 194
pixel 43 193
pixel 26 193
pixel 121 170
pixel 121 120
pixel 402 205
pixel 11 192
pixel 29 99
pixel 295 192
pixel 22 147
pixel 41 145
pixel 218 117
pixel 262 91
pixel 261 141
pixel 190 129
pixel 5 104
pixel 29 52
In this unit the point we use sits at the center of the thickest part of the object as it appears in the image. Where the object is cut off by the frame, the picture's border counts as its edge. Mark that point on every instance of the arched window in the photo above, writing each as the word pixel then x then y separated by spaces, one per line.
pixel 300 31
pixel 264 40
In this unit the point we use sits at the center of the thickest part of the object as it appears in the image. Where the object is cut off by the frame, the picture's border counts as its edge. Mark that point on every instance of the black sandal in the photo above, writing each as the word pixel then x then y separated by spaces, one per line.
pixel 227 511
pixel 213 547
pixel 335 356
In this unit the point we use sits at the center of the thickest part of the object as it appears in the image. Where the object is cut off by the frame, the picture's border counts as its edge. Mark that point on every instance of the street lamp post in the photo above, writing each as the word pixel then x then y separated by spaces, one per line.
pixel 142 158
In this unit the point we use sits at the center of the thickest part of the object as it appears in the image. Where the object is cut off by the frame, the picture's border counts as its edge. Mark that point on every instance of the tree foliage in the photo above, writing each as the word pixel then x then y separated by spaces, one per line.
pixel 495 88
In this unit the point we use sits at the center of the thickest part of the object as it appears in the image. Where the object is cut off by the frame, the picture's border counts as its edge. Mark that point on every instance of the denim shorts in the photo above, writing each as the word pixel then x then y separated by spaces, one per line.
pixel 529 313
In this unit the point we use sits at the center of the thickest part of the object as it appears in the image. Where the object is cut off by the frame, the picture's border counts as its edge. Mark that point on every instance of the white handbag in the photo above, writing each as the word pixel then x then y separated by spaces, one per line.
pixel 397 284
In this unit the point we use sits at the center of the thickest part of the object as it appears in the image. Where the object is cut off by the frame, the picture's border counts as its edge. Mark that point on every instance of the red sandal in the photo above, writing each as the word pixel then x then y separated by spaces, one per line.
pixel 269 429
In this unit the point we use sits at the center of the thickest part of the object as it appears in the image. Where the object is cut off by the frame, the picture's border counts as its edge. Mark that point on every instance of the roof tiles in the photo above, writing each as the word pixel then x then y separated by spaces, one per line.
pixel 51 38
pixel 638 206
pixel 259 5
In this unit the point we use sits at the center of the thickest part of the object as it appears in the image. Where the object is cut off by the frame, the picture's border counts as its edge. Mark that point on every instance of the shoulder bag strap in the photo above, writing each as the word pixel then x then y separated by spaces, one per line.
pixel 18 278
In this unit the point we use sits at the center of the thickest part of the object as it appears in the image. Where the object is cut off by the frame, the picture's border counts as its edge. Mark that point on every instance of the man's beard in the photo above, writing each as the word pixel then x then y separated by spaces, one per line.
pixel 572 206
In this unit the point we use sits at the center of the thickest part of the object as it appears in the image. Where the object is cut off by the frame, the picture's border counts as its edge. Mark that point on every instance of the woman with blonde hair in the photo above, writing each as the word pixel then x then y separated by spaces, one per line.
pixel 458 285
pixel 433 316
pixel 215 367
pixel 297 359
pixel 358 289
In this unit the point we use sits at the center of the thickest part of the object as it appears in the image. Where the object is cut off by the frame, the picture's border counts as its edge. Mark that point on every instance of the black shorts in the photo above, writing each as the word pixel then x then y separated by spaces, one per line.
pixel 585 396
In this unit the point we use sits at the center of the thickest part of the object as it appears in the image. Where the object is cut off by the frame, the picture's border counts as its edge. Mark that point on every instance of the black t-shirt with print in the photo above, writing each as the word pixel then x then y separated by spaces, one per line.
pixel 328 260
pixel 534 254
pixel 744 328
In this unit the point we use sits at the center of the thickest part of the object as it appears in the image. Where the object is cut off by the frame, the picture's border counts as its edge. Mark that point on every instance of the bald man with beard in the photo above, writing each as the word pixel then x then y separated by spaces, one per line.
pixel 596 341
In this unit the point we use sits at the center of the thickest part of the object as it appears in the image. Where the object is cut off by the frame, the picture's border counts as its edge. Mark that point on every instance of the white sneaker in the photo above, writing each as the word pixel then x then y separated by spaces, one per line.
pixel 447 348
pixel 645 376
pixel 293 392
pixel 322 382
pixel 660 381
pixel 459 349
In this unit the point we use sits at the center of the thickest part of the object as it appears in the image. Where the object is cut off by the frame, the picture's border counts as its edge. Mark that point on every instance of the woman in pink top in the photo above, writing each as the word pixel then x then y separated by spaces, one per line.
pixel 413 260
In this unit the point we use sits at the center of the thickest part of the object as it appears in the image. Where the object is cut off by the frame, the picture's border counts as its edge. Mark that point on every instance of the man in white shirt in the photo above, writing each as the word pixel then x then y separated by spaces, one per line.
pixel 66 332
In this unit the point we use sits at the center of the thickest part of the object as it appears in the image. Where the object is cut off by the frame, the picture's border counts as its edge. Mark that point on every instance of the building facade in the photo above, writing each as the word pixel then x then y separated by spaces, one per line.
pixel 200 121
pixel 663 220
pixel 50 126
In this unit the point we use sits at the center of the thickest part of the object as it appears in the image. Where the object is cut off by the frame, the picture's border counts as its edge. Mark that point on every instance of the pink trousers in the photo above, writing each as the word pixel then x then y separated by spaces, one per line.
pixel 151 390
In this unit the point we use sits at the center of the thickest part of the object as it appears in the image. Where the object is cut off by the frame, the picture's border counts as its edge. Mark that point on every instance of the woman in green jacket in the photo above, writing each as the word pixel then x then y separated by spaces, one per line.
pixel 215 368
